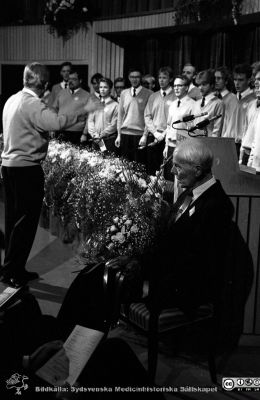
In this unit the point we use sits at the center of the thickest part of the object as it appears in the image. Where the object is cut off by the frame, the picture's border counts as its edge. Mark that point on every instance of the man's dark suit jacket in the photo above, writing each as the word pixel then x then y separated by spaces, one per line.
pixel 191 254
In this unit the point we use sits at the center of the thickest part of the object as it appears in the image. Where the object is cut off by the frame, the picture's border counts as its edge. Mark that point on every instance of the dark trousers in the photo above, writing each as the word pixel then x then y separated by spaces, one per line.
pixel 154 156
pixel 168 167
pixel 129 149
pixel 69 136
pixel 23 191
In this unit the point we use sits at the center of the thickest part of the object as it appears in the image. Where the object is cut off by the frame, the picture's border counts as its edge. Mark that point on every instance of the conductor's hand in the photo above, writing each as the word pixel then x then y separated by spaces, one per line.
pixel 92 106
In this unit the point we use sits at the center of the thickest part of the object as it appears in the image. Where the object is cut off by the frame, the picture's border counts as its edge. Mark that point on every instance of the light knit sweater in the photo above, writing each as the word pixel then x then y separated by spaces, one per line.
pixel 213 107
pixel 156 111
pixel 238 119
pixel 104 121
pixel 230 102
pixel 131 112
pixel 26 122
pixel 68 103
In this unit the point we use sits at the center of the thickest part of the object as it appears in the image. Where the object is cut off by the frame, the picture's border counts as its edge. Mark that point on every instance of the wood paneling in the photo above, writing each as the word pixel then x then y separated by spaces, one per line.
pixel 23 44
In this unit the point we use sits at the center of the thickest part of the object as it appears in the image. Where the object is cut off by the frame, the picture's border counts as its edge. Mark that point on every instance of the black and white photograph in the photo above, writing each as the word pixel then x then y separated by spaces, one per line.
pixel 130 199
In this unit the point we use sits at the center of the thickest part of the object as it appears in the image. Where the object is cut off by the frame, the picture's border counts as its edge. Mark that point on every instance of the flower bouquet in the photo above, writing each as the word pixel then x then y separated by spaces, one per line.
pixel 111 202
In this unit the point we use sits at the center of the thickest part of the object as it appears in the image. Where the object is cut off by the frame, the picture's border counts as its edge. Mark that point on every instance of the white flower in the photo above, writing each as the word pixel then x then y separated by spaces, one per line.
pixel 142 183
pixel 119 237
pixel 113 228
pixel 134 229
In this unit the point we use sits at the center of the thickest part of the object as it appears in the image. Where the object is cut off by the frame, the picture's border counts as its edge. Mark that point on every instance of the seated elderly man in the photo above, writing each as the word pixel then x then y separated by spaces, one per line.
pixel 192 251
pixel 186 266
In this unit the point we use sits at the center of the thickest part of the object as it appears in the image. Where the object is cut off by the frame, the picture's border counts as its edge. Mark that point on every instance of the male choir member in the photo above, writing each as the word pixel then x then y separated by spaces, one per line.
pixel 242 78
pixel 65 69
pixel 190 71
pixel 181 106
pixel 119 86
pixel 251 122
pixel 209 104
pixel 131 123
pixel 69 102
pixel 102 123
pixel 155 115
pixel 149 82
pixel 223 80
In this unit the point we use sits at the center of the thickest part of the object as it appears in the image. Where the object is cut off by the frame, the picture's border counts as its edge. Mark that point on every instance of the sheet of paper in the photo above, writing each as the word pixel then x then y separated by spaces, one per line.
pixel 6 292
pixel 67 364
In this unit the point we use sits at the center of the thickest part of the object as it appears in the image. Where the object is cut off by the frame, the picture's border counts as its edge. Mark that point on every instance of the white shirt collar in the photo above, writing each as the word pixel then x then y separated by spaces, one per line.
pixel 106 100
pixel 245 93
pixel 167 91
pixel 27 90
pixel 199 190
pixel 224 92
pixel 182 100
pixel 191 87
pixel 137 90
pixel 97 95
pixel 63 83
pixel 209 97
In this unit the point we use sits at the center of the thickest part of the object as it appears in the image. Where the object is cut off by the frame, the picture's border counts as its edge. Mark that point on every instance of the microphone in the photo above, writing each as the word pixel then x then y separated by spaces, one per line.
pixel 204 123
pixel 191 117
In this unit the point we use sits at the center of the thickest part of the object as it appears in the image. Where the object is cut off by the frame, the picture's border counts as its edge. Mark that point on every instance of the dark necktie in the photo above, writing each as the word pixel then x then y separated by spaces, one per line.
pixel 258 102
pixel 219 95
pixel 134 92
pixel 181 204
pixel 239 96
pixel 72 91
pixel 65 86
pixel 164 94
pixel 179 103
pixel 203 102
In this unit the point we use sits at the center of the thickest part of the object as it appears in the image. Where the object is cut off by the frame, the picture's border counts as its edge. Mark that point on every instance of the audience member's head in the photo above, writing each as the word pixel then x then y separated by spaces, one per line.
pixel 95 81
pixel 181 86
pixel 223 79
pixel 192 163
pixel 165 77
pixel 65 69
pixel 148 81
pixel 105 87
pixel 242 77
pixel 190 71
pixel 206 81
pixel 135 77
pixel 36 77
pixel 119 85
